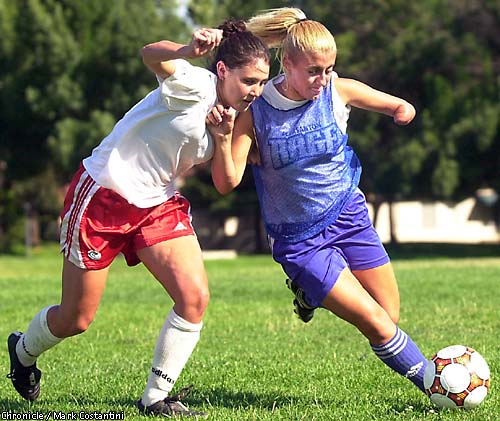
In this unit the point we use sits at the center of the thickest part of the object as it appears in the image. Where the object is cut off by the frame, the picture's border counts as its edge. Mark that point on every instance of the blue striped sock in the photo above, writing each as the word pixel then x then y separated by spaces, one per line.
pixel 403 356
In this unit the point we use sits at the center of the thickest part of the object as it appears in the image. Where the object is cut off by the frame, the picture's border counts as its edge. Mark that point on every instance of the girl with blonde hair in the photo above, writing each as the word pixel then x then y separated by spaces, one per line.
pixel 307 182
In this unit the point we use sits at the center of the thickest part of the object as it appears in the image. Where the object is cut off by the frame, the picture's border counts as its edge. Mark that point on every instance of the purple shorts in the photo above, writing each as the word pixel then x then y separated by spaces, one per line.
pixel 316 263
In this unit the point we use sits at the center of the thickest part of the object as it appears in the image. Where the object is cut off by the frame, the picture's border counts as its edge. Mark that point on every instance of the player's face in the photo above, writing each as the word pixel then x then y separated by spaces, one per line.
pixel 239 87
pixel 307 74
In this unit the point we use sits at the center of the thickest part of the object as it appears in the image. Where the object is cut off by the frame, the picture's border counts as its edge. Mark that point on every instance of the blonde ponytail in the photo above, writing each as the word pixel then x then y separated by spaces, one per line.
pixel 289 29
pixel 272 25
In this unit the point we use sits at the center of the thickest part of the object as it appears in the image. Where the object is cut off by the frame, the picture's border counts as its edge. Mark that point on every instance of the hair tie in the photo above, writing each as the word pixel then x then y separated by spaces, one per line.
pixel 302 20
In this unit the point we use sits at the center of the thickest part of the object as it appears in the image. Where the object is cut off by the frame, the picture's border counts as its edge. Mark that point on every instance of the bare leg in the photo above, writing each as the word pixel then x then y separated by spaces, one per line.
pixel 81 294
pixel 349 300
pixel 381 284
pixel 178 266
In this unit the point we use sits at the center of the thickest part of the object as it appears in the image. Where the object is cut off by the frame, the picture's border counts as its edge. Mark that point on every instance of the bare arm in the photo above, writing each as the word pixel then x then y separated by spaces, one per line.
pixel 232 144
pixel 159 56
pixel 360 95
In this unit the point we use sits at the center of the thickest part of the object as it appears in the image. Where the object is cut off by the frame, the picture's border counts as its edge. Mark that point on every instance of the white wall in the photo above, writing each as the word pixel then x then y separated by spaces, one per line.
pixel 465 222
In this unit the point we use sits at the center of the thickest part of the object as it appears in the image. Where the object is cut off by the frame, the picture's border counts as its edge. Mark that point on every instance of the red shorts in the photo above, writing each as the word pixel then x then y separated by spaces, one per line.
pixel 98 223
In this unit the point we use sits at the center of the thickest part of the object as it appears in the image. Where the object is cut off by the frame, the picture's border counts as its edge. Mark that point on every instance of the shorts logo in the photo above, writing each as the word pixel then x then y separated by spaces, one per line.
pixel 94 255
pixel 180 227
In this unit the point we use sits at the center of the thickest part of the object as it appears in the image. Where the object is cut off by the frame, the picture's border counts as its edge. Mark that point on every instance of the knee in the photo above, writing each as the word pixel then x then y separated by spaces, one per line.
pixel 378 326
pixel 70 326
pixel 394 315
pixel 81 324
pixel 201 300
pixel 192 305
pixel 393 312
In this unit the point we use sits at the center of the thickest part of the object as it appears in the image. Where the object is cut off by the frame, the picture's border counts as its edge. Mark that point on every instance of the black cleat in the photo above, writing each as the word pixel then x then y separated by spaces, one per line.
pixel 171 407
pixel 26 380
pixel 304 311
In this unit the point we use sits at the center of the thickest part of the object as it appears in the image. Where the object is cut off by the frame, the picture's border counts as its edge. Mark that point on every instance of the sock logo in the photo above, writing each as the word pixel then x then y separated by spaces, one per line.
pixel 26 349
pixel 413 371
pixel 162 375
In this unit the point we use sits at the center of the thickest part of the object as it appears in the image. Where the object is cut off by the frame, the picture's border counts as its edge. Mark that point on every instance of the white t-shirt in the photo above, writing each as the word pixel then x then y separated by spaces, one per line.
pixel 158 139
pixel 274 97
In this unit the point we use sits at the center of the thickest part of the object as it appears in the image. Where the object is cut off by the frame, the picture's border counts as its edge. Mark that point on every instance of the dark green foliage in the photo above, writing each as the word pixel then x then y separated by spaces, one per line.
pixel 443 56
pixel 439 56
pixel 70 69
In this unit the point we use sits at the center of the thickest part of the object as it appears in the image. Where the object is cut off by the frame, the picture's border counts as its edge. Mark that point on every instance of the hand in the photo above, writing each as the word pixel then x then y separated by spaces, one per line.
pixel 204 40
pixel 404 114
pixel 220 121
pixel 214 116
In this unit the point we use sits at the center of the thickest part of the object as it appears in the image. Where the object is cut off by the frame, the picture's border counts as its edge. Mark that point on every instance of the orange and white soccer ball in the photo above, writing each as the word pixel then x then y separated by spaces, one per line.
pixel 457 377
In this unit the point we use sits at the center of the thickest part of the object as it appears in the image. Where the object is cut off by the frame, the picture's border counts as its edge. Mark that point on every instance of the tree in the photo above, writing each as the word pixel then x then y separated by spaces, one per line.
pixel 439 56
pixel 69 70
pixel 443 56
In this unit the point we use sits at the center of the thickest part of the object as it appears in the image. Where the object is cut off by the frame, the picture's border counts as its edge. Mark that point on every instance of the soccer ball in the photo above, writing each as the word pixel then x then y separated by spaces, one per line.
pixel 457 377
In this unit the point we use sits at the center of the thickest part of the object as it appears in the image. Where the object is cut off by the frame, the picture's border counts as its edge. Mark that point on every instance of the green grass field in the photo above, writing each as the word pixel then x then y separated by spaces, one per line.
pixel 255 360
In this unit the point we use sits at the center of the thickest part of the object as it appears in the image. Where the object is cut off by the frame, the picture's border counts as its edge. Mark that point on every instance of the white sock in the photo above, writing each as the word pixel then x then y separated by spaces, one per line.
pixel 174 346
pixel 37 339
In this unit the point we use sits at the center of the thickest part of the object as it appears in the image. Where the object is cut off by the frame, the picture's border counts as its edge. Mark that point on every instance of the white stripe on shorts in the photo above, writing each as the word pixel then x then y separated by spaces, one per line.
pixel 70 225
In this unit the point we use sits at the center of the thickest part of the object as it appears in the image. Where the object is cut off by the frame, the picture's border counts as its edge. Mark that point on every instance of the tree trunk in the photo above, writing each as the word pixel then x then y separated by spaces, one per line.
pixel 392 223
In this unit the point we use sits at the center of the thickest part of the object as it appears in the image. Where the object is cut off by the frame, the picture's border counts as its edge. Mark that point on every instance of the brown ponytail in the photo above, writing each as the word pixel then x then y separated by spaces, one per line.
pixel 239 46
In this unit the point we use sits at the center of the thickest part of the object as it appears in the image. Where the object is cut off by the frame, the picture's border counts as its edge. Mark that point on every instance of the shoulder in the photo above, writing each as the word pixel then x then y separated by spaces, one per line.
pixel 352 90
pixel 189 83
pixel 343 86
pixel 341 108
pixel 183 69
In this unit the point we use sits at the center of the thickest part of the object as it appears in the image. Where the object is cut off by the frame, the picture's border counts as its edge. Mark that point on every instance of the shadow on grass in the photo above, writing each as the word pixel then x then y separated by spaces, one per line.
pixel 230 399
pixel 440 250
pixel 215 398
